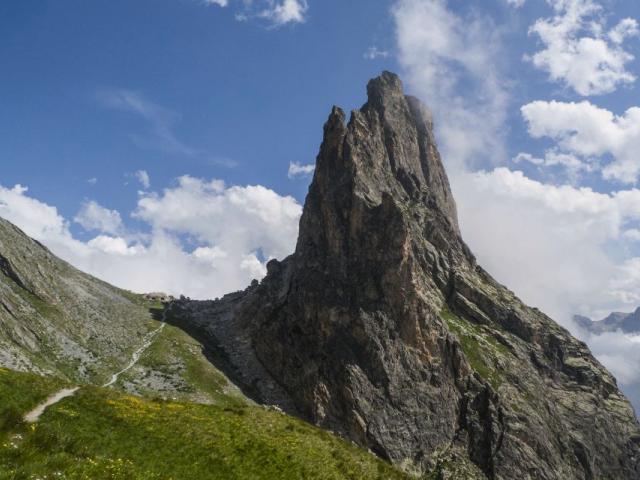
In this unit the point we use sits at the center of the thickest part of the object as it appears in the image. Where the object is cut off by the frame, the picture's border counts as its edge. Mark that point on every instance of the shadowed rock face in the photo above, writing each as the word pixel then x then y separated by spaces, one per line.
pixel 382 327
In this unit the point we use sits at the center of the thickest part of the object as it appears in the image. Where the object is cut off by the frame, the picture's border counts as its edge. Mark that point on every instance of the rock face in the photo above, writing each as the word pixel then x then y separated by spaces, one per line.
pixel 625 322
pixel 382 327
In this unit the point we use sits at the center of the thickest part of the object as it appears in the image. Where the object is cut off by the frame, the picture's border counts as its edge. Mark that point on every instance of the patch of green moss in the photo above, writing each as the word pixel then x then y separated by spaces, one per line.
pixel 479 346
pixel 452 466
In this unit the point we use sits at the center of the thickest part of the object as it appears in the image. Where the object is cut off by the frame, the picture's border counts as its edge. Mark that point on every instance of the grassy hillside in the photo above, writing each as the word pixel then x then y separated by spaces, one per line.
pixel 104 434
pixel 58 321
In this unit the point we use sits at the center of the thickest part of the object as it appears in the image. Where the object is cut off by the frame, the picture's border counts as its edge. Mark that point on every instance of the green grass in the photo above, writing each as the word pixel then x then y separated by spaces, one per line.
pixel 173 352
pixel 103 434
pixel 19 393
pixel 479 346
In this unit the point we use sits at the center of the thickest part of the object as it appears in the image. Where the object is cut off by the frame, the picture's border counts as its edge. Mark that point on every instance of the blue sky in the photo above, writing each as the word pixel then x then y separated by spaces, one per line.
pixel 240 93
pixel 150 142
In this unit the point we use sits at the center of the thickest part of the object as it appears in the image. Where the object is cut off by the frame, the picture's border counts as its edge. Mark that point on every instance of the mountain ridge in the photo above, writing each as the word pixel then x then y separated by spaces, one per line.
pixel 625 322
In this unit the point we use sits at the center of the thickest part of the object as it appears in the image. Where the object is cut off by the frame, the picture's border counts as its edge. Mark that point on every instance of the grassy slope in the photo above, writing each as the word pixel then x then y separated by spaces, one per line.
pixel 20 393
pixel 174 367
pixel 104 434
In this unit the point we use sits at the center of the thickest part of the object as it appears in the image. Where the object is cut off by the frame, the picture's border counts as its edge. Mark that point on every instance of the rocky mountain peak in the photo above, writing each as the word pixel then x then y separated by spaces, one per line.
pixel 382 327
pixel 386 154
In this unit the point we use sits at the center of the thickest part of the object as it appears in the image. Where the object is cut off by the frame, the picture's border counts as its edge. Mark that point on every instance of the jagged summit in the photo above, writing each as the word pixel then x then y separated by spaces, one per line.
pixel 390 149
pixel 382 327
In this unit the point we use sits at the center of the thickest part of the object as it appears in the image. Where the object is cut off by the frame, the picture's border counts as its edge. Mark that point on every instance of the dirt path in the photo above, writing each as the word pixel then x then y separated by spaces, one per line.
pixel 148 340
pixel 34 415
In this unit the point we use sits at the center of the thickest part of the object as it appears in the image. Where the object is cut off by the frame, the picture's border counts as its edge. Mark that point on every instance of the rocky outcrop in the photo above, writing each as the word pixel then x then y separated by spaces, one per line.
pixel 382 327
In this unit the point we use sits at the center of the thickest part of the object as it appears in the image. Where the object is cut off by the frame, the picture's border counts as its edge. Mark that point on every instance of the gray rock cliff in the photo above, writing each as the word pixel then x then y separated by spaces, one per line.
pixel 382 327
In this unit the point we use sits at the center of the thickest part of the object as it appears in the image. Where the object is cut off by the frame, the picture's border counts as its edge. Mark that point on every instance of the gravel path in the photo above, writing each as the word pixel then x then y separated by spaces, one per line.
pixel 35 414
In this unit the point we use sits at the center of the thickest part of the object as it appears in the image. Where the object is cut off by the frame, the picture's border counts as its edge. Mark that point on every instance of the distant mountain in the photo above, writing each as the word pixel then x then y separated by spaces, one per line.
pixel 625 322
pixel 382 326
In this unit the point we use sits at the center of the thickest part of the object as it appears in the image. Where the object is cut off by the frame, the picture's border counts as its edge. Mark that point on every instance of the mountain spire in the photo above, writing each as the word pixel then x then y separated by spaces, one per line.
pixel 382 327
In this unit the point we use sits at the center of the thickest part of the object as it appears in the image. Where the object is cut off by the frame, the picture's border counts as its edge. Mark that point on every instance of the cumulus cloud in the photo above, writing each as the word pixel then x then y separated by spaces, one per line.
pixel 93 216
pixel 205 239
pixel 579 51
pixel 220 3
pixel 37 219
pixel 143 178
pixel 114 245
pixel 452 62
pixel 297 170
pixel 552 244
pixel 590 132
pixel 235 219
pixel 285 11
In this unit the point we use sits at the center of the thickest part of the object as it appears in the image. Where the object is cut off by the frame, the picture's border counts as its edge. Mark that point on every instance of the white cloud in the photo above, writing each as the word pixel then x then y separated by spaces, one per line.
pixel 553 158
pixel 115 245
pixel 235 219
pixel 92 181
pixel 220 3
pixel 93 216
pixel 590 132
pixel 627 28
pixel 620 353
pixel 253 266
pixel 553 245
pixel 527 157
pixel 516 3
pixel 206 239
pixel 209 254
pixel 143 178
pixel 374 52
pixel 37 219
pixel 285 11
pixel 578 51
pixel 571 164
pixel 452 62
pixel 297 170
